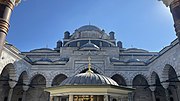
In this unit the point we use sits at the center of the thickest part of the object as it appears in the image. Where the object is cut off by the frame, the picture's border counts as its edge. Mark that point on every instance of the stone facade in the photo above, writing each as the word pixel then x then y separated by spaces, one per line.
pixel 24 75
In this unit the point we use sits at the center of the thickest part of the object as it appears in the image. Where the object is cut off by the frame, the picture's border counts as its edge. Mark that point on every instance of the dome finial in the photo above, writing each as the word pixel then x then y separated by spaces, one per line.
pixel 89 65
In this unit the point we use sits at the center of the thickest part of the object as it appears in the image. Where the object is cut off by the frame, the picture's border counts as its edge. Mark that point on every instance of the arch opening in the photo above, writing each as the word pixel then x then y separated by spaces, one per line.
pixel 119 79
pixel 4 82
pixel 36 91
pixel 159 89
pixel 141 93
pixel 173 84
pixel 18 89
pixel 58 79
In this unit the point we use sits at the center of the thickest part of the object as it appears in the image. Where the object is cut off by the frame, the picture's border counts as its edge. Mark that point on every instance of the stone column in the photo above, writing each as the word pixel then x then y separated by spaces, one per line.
pixel 167 95
pixel 25 88
pixel 48 83
pixel 130 96
pixel 166 85
pixel 6 7
pixel 24 96
pixel 106 98
pixel 178 91
pixel 10 94
pixel 51 98
pixel 12 84
pixel 55 98
pixel 153 88
pixel 153 96
pixel 70 97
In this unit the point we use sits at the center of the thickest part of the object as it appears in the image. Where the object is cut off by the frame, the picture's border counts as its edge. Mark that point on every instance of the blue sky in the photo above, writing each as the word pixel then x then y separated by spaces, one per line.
pixel 145 24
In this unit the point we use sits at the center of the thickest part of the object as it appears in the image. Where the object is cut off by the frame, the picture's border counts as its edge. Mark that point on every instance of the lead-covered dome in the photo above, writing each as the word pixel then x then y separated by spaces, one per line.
pixel 89 32
pixel 89 28
pixel 89 78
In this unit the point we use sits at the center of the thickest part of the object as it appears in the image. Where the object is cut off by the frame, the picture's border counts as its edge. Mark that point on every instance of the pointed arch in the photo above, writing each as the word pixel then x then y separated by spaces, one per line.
pixel 11 71
pixel 36 90
pixel 168 73
pixel 144 75
pixel 141 84
pixel 58 79
pixel 4 83
pixel 119 79
pixel 140 81
pixel 5 63
pixel 21 86
pixel 32 75
pixel 38 80
pixel 25 77
pixel 153 78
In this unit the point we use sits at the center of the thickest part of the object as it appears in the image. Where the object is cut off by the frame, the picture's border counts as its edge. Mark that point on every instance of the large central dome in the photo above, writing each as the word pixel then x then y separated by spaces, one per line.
pixel 89 28
pixel 88 32
pixel 89 78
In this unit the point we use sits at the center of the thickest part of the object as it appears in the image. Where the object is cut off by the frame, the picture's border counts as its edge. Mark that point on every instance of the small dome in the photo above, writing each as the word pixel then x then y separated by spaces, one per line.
pixel 132 50
pixel 89 78
pixel 89 28
pixel 89 46
pixel 42 50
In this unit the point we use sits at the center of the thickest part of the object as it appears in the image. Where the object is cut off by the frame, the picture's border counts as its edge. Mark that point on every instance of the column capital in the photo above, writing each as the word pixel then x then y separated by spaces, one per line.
pixel 12 84
pixel 152 88
pixel 25 88
pixel 48 83
pixel 106 97
pixel 165 85
pixel 70 97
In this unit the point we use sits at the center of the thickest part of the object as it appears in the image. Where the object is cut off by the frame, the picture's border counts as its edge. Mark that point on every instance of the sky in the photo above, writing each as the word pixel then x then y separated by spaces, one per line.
pixel 144 24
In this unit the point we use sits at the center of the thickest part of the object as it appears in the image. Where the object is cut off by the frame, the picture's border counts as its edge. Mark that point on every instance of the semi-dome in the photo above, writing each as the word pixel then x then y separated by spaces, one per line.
pixel 89 28
pixel 89 78
pixel 89 46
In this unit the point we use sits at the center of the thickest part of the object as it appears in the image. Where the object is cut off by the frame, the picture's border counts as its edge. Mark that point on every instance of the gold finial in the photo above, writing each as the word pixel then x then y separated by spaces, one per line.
pixel 89 65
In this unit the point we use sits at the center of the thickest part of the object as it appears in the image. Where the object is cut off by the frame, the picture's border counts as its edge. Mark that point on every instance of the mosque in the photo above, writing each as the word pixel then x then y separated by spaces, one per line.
pixel 90 65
